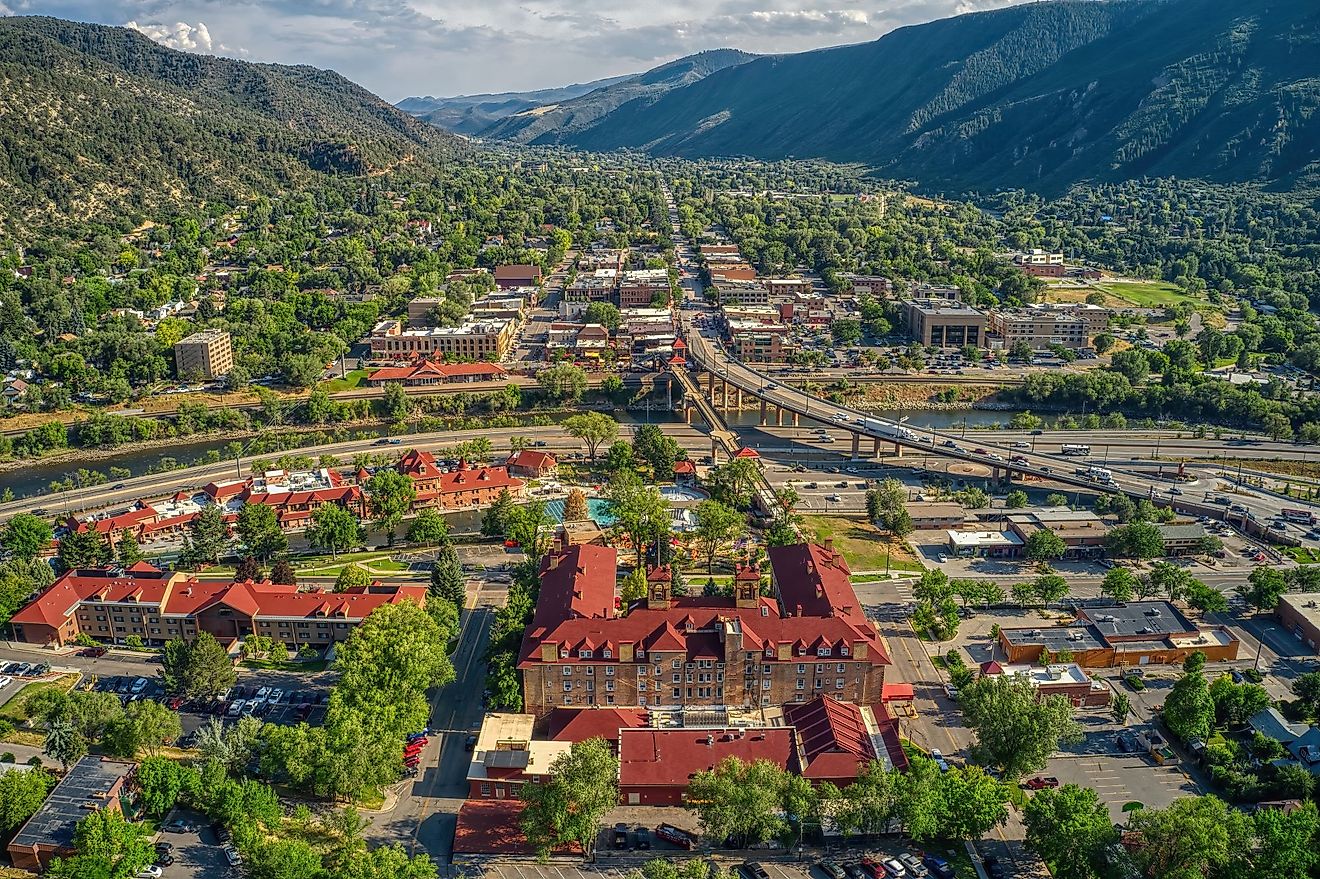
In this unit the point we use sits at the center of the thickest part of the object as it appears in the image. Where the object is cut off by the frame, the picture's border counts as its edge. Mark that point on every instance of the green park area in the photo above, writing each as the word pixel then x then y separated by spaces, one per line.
pixel 861 543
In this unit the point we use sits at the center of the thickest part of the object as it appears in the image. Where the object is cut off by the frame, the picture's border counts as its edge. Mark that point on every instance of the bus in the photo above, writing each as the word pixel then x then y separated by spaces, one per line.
pixel 1074 449
pixel 1305 517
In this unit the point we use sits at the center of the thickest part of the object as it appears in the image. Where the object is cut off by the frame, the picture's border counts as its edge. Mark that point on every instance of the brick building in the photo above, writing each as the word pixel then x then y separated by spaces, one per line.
pixel 110 605
pixel 209 354
pixel 91 784
pixel 452 489
pixel 1299 613
pixel 656 765
pixel 944 323
pixel 1070 324
pixel 1067 679
pixel 425 371
pixel 811 639
pixel 512 276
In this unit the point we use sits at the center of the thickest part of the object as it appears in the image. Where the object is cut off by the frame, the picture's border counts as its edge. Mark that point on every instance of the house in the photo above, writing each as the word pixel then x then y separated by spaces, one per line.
pixel 92 783
pixel 428 371
pixel 156 606
pixel 506 756
pixel 1306 749
pixel 656 765
pixel 510 276
pixel 685 472
pixel 1135 633
pixel 1273 725
pixel 532 464
pixel 15 389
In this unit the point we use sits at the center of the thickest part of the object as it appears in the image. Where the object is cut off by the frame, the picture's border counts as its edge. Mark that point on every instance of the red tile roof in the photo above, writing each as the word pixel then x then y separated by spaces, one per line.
pixel 745 452
pixel 685 466
pixel 578 583
pixel 671 757
pixel 815 579
pixel 435 369
pixel 418 465
pixel 518 272
pixel 530 459
pixel 467 478
pixel 834 738
pixel 580 724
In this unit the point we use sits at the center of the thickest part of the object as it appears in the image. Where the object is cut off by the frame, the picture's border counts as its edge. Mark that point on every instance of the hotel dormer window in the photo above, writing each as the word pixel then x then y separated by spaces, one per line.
pixel 607 654
pixel 584 654
pixel 823 651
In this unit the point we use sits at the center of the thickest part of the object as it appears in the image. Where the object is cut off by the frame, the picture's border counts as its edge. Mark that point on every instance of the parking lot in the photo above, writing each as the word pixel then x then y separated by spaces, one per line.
pixel 852 861
pixel 1124 778
pixel 194 847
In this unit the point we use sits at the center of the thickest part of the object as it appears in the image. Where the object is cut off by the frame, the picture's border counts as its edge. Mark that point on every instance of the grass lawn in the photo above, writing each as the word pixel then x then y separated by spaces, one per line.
pixel 350 381
pixel 1147 294
pixel 12 710
pixel 1302 555
pixel 304 667
pixel 861 543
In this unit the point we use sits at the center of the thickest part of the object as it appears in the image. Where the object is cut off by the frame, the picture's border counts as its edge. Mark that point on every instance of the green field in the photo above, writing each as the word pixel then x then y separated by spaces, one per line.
pixel 861 543
pixel 1147 294
pixel 347 383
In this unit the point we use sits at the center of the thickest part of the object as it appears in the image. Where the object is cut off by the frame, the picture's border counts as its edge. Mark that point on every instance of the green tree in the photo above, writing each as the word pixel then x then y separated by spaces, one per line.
pixel 447 579
pixel 259 529
pixel 1263 589
pixel 1044 545
pixel 1288 843
pixel 1138 540
pixel 1119 584
pixel 651 445
pixel 1016 500
pixel 1307 689
pixel 106 846
pixel 633 587
pixel 531 527
pixel 351 577
pixel 26 535
pixel 568 807
pixel 1069 828
pixel 84 549
pixel 619 457
pixel 639 511
pixel 494 523
pixel 741 800
pixel 144 726
pixel 1193 838
pixel 199 669
pixel 395 402
pixel 428 529
pixel 1205 599
pixel 161 781
pixel 1169 579
pixel 64 743
pixel 575 506
pixel 335 529
pixel 971 802
pixel 716 525
pixel 127 551
pixel 282 572
pixel 593 428
pixel 563 383
pixel 1189 712
pixel 207 536
pixel 21 794
pixel 392 495
pixel 604 313
pixel 1051 587
pixel 1235 703
pixel 1014 730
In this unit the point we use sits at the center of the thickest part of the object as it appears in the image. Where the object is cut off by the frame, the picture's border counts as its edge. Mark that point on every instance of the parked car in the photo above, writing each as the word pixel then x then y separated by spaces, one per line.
pixel 222 833
pixel 138 686
pixel 938 756
pixel 232 856
pixel 913 865
pixel 5 681
pixel 151 871
pixel 164 848
pixel 854 871
pixel 938 866
pixel 832 870
pixel 470 743
pixel 753 870
pixel 643 836
pixel 895 868
pixel 178 825
pixel 675 836
pixel 620 836
pixel 1040 782
pixel 873 868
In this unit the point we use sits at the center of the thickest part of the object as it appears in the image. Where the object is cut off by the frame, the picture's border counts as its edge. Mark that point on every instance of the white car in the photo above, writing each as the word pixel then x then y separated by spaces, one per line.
pixel 232 856
pixel 5 681
pixel 275 696
pixel 262 695
pixel 895 868
pixel 150 872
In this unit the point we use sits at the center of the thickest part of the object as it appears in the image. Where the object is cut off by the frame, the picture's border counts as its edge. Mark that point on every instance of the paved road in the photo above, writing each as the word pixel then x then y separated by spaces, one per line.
pixel 423 815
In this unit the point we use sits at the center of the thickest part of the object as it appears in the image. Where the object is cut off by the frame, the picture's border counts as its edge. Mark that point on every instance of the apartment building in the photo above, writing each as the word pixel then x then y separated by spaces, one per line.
pixel 1070 324
pixel 743 291
pixel 639 288
pixel 870 285
pixel 944 323
pixel 460 487
pixel 810 639
pixel 209 354
pixel 474 340
pixel 754 341
pixel 112 604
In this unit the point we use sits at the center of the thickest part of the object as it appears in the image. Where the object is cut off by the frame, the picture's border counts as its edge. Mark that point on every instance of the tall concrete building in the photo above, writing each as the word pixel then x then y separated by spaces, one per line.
pixel 209 354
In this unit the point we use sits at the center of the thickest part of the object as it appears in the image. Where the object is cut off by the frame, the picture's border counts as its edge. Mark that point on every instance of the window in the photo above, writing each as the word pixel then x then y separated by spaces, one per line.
pixel 678 694
pixel 819 684
pixel 770 651
pixel 609 671
pixel 609 686
pixel 641 686
pixel 591 670
pixel 765 669
pixel 843 651
pixel 801 684
pixel 609 700
pixel 823 651
pixel 765 611
pixel 591 686
pixel 607 654
pixel 641 672
pixel 568 686
pixel 838 683
pixel 563 654
pixel 802 669
pixel 641 700
pixel 568 700
pixel 641 654
pixel 584 654
pixel 568 671
pixel 678 663
pixel 485 790
pixel 765 685
pixel 820 668
pixel 677 677
pixel 839 668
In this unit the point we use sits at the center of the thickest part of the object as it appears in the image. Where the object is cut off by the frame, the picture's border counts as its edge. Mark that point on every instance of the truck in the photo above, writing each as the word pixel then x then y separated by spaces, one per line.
pixel 1304 517
pixel 1100 474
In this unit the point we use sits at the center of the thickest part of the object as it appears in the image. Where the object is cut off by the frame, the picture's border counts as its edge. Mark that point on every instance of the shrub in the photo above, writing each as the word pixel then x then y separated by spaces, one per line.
pixel 8 757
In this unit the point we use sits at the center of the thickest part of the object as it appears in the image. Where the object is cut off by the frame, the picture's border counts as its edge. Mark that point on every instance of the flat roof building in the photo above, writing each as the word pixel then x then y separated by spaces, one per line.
pixel 944 323
pixel 1070 324
pixel 984 544
pixel 1083 533
pixel 1299 613
pixel 92 783
pixel 209 354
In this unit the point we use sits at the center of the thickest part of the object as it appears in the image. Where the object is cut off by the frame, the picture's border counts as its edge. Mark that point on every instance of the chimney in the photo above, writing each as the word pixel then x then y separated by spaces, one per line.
pixel 554 562
pixel 799 610
pixel 829 544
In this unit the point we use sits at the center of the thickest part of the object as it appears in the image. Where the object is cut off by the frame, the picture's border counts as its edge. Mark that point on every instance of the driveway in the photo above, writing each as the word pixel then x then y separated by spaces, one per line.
pixel 197 853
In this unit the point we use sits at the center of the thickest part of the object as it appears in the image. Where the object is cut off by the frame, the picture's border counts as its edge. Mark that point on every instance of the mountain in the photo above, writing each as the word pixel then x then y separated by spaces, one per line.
pixel 1037 95
pixel 470 114
pixel 559 122
pixel 98 120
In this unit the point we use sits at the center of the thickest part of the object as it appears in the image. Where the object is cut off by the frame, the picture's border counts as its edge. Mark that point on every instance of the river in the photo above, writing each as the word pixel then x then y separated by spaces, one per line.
pixel 35 478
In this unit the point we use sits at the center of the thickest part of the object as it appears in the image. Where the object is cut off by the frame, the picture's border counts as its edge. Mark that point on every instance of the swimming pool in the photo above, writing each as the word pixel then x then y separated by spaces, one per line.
pixel 675 493
pixel 597 509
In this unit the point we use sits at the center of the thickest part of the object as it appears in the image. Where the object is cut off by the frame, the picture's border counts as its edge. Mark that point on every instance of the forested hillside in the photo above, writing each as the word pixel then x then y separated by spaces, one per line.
pixel 96 119
pixel 471 114
pixel 1039 96
pixel 560 123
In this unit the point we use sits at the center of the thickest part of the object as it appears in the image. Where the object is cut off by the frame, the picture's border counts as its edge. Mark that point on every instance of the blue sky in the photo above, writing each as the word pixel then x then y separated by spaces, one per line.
pixel 399 48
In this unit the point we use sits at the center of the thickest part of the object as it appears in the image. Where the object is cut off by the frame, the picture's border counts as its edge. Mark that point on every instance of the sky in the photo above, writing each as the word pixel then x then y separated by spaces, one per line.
pixel 399 48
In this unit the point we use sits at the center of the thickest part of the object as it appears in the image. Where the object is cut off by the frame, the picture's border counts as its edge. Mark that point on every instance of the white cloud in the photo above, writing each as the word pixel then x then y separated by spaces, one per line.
pixel 5 10
pixel 179 35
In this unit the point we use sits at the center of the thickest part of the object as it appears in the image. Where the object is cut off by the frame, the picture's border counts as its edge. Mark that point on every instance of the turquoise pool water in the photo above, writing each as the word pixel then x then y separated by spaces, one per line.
pixel 596 508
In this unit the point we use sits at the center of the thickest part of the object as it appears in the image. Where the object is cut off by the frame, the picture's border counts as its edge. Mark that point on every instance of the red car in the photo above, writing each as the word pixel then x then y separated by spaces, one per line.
pixel 93 652
pixel 413 749
pixel 1040 782
pixel 872 868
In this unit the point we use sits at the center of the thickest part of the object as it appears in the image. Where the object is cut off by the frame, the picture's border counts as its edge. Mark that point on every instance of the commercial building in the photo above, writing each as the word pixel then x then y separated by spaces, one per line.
pixel 756 342
pixel 1070 324
pixel 508 277
pixel 944 323
pixel 640 287
pixel 532 464
pixel 742 291
pixel 113 604
pixel 428 371
pixel 656 765
pixel 1083 533
pixel 209 354
pixel 1135 633
pixel 936 516
pixel 506 757
pixel 1067 679
pixel 871 285
pixel 1182 539
pixel 93 783
pixel 460 487
pixel 984 544
pixel 812 639
pixel 1299 613
pixel 474 340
